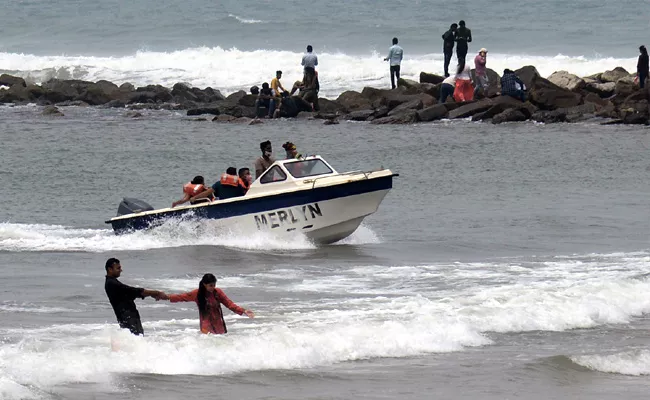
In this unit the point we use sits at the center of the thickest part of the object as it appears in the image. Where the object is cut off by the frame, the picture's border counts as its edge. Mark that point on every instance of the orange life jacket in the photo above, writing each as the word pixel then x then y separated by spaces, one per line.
pixel 244 184
pixel 193 189
pixel 230 180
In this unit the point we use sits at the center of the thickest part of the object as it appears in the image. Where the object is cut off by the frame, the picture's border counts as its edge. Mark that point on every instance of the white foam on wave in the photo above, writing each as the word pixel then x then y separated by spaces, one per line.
pixel 245 20
pixel 231 69
pixel 627 363
pixel 173 233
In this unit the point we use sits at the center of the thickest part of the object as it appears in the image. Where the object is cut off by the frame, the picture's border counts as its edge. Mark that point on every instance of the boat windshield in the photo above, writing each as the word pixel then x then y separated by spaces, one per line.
pixel 305 168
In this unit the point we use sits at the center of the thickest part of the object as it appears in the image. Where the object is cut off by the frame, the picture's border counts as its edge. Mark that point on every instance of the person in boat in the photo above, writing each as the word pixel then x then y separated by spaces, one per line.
pixel 246 178
pixel 209 299
pixel 228 186
pixel 192 190
pixel 291 150
pixel 266 160
pixel 122 298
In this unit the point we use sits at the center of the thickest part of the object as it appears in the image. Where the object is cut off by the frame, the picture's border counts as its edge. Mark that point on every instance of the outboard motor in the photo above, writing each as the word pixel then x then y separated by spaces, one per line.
pixel 131 206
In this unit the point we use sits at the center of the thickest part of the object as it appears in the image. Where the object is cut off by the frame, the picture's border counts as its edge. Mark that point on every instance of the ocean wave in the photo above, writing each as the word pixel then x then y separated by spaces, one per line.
pixel 634 363
pixel 230 70
pixel 245 20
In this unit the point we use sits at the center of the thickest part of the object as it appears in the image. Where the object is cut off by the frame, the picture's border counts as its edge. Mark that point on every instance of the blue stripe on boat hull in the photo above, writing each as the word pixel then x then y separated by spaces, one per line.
pixel 258 205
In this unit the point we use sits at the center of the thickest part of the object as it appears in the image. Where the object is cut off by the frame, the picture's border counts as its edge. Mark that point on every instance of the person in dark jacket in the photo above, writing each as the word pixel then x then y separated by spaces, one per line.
pixel 122 297
pixel 512 86
pixel 642 66
pixel 449 38
pixel 463 37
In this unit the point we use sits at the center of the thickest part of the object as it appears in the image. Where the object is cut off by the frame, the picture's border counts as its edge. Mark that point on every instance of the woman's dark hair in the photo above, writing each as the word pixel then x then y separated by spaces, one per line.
pixel 643 50
pixel 198 180
pixel 200 298
pixel 461 66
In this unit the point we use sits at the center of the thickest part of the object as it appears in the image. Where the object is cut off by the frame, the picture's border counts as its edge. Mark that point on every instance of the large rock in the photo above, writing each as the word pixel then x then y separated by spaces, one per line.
pixel 528 75
pixel 234 97
pixel 57 90
pixel 98 93
pixel 127 87
pixel 360 115
pixel 409 105
pixel 567 81
pixel 581 112
pixel 353 101
pixel 548 96
pixel 248 100
pixel 603 90
pixel 509 115
pixel 52 111
pixel 499 105
pixel 15 94
pixel 625 87
pixel 9 80
pixel 204 110
pixel 433 113
pixel 407 117
pixel 548 117
pixel 183 93
pixel 431 78
pixel 614 75
pixel 154 93
pixel 636 114
pixel 330 107
pixel 494 83
pixel 470 109
pixel 407 83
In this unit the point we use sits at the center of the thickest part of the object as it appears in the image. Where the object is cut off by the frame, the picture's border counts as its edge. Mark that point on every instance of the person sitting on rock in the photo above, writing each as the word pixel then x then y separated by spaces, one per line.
pixel 512 86
pixel 265 99
pixel 309 88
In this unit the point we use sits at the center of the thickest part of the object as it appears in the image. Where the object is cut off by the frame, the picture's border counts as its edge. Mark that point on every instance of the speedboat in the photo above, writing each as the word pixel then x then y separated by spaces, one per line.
pixel 305 195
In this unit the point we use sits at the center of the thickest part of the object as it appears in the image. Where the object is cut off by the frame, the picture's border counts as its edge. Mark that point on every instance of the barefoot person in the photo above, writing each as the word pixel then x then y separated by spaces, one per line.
pixel 209 300
pixel 121 297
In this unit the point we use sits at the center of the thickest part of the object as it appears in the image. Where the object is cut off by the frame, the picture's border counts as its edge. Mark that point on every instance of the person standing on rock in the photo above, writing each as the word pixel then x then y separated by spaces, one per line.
pixel 448 39
pixel 463 37
pixel 642 67
pixel 309 59
pixel 395 54
pixel 481 80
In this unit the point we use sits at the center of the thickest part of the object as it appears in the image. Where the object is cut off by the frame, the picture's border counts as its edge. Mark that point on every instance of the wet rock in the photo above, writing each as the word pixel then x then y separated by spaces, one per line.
pixel 431 78
pixel 115 104
pixel 509 115
pixel 528 75
pixel 52 111
pixel 132 114
pixel 256 121
pixel 10 80
pixel 353 101
pixel 433 113
pixel 73 103
pixel 549 117
pixel 223 118
pixel 330 122
pixel 407 117
pixel 409 105
pixel 305 115
pixel 182 92
pixel 625 87
pixel 360 115
pixel 470 109
pixel 380 112
pixel 330 107
pixel 126 87
pixel 204 110
pixel 242 120
pixel 15 94
pixel 407 83
pixel 151 93
pixel 567 81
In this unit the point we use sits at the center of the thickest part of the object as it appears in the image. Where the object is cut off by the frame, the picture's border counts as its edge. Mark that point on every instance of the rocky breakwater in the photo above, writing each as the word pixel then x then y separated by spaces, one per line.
pixel 562 97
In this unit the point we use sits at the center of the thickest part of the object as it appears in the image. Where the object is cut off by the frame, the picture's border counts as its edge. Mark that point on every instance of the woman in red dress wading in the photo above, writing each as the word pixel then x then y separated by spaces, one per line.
pixel 209 299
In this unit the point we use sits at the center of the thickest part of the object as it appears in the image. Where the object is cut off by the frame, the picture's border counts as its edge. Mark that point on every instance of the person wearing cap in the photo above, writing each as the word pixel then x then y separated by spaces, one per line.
pixel 292 152
pixel 209 299
pixel 481 81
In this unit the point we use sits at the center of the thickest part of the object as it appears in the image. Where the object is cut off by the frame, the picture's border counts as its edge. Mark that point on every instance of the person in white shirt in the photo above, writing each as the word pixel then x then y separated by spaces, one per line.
pixel 309 59
pixel 395 54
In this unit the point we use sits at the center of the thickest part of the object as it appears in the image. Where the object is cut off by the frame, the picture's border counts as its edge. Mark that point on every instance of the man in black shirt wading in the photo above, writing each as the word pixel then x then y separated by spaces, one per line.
pixel 121 297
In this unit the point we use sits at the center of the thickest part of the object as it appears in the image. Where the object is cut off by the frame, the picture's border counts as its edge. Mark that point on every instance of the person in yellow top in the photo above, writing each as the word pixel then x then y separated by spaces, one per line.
pixel 276 85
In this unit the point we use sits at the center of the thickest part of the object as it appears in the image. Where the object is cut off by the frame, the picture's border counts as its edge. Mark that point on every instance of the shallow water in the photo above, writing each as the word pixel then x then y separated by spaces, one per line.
pixel 508 261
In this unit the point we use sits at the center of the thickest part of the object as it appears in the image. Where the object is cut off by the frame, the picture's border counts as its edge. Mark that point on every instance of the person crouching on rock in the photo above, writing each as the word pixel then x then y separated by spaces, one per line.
pixel 265 99
pixel 512 86
pixel 464 90
pixel 209 299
